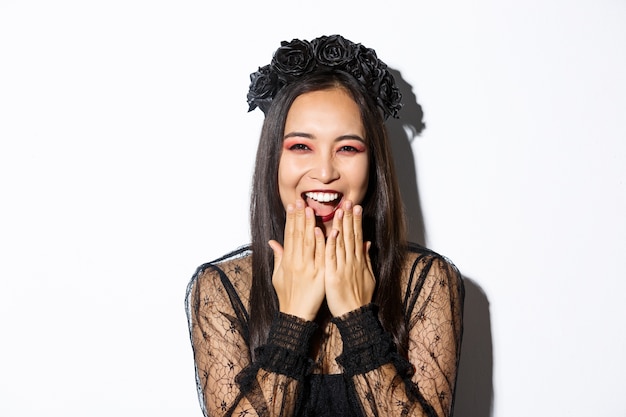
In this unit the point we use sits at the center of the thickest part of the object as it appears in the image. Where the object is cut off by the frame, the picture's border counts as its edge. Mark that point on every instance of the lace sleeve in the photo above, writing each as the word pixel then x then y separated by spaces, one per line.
pixel 228 383
pixel 381 382
pixel 435 331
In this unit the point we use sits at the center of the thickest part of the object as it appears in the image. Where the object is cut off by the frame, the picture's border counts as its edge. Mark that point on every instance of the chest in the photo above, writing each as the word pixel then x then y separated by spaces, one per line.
pixel 325 347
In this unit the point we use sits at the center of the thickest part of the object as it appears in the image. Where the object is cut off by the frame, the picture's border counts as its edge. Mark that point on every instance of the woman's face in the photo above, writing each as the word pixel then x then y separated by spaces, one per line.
pixel 324 158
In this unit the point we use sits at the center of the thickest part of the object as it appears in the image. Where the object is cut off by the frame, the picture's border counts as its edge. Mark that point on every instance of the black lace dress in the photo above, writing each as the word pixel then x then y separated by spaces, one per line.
pixel 355 370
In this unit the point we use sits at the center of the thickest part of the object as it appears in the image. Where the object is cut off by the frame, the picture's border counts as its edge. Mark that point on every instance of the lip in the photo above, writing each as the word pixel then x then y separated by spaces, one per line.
pixel 331 215
pixel 321 191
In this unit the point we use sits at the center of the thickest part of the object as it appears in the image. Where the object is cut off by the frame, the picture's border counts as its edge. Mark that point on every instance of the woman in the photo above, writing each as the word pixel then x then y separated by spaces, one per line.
pixel 329 311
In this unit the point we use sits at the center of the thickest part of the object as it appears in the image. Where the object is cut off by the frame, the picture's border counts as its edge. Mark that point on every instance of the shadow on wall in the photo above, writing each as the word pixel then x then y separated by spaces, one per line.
pixel 402 132
pixel 474 388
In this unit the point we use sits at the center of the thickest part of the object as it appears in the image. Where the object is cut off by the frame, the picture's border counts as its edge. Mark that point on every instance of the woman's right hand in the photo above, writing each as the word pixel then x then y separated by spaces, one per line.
pixel 298 277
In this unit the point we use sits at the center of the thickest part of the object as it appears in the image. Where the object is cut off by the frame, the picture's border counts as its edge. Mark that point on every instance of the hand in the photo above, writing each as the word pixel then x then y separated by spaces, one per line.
pixel 349 277
pixel 298 276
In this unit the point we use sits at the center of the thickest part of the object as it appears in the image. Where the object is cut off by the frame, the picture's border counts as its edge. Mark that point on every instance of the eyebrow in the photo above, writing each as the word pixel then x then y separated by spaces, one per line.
pixel 310 136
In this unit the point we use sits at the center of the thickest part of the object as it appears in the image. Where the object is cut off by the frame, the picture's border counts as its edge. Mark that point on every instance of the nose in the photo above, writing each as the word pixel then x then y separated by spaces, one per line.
pixel 324 169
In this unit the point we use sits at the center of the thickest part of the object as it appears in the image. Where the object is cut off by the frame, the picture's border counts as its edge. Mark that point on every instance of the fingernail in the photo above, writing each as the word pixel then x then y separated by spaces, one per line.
pixel 358 210
pixel 299 204
pixel 348 205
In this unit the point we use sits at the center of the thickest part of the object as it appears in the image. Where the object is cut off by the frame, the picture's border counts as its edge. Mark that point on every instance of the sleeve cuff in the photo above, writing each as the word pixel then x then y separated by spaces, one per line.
pixel 366 345
pixel 359 328
pixel 286 351
pixel 291 332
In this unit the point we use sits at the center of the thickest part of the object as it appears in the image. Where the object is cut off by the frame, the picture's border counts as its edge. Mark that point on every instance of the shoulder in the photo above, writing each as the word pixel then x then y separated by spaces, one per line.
pixel 230 273
pixel 417 253
pixel 424 267
pixel 229 264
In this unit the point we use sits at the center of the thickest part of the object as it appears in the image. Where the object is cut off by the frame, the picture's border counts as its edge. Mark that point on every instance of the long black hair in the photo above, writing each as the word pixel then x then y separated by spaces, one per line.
pixel 383 222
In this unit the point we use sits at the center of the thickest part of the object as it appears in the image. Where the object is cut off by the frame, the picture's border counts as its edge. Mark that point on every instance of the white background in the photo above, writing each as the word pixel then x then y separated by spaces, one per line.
pixel 125 160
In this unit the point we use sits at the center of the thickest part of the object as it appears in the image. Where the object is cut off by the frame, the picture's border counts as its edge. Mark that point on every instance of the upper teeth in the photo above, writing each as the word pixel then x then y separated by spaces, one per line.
pixel 323 197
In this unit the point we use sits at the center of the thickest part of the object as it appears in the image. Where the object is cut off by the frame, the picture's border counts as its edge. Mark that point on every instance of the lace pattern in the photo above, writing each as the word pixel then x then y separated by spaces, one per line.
pixel 365 344
pixel 285 380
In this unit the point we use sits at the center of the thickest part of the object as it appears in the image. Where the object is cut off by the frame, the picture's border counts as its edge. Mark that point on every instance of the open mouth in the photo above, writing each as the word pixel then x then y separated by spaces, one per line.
pixel 324 204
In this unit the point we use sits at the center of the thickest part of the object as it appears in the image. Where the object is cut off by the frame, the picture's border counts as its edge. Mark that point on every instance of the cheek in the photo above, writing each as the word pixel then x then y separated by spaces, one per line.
pixel 291 170
pixel 360 181
pixel 287 181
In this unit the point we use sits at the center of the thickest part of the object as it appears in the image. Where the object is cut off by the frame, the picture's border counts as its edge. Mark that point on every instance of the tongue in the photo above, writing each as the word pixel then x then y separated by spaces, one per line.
pixel 321 209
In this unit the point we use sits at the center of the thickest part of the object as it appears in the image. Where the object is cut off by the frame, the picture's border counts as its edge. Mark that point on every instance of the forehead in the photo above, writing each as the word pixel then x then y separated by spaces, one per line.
pixel 325 110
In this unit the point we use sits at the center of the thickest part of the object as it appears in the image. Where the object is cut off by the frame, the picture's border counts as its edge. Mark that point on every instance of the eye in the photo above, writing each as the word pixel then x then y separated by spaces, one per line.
pixel 298 147
pixel 350 149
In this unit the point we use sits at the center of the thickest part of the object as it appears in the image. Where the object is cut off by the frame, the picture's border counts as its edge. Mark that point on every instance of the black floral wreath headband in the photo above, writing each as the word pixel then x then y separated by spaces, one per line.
pixel 300 57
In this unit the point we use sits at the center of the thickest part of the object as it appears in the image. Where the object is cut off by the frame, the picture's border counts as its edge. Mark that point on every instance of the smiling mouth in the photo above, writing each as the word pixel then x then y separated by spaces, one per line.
pixel 324 204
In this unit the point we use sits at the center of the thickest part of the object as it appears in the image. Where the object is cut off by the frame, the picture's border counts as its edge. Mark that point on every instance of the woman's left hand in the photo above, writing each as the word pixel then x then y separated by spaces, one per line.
pixel 349 277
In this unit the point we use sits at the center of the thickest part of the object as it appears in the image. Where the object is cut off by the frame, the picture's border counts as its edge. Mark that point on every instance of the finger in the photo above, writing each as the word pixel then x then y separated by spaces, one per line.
pixel 340 247
pixel 299 228
pixel 310 237
pixel 348 228
pixel 368 245
pixel 331 250
pixel 290 227
pixel 338 224
pixel 358 232
pixel 278 252
pixel 320 248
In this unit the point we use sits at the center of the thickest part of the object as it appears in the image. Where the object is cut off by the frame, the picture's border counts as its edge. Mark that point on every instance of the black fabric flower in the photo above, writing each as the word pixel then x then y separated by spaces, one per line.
pixel 263 87
pixel 367 68
pixel 293 59
pixel 389 96
pixel 298 58
pixel 333 51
